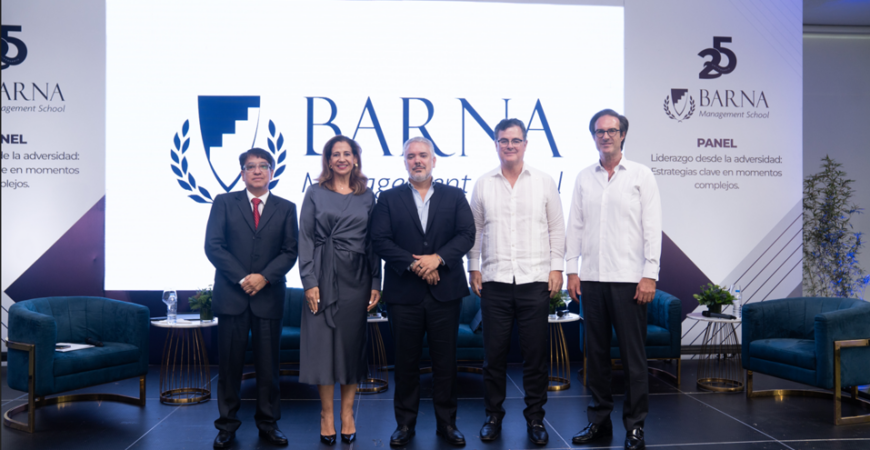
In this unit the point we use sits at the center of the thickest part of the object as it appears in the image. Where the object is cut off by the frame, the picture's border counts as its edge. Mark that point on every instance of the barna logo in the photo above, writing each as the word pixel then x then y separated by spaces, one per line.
pixel 219 118
pixel 8 43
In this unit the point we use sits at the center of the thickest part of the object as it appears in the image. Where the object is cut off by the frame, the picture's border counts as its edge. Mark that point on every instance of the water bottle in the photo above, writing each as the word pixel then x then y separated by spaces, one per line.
pixel 171 300
pixel 738 302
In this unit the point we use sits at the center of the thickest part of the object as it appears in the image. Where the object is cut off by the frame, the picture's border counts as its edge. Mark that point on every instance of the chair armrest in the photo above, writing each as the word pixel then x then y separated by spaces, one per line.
pixel 844 324
pixel 40 330
pixel 665 311
pixel 136 319
pixel 753 329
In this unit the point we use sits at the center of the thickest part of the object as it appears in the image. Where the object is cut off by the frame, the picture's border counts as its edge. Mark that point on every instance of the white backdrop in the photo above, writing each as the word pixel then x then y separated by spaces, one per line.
pixel 568 59
pixel 728 155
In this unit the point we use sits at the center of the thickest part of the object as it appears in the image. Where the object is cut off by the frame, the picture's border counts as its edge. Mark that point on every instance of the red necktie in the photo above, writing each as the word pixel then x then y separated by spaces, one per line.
pixel 256 202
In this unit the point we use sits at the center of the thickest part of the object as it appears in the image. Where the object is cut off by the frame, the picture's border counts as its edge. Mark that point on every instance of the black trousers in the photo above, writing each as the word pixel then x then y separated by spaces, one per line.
pixel 232 340
pixel 440 321
pixel 500 305
pixel 606 307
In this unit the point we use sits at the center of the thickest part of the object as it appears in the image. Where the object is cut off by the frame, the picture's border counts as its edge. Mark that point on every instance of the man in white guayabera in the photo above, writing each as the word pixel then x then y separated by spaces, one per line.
pixel 615 225
pixel 515 266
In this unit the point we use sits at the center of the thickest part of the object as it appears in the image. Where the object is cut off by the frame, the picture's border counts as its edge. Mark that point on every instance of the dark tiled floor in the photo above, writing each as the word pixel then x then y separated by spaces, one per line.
pixel 683 418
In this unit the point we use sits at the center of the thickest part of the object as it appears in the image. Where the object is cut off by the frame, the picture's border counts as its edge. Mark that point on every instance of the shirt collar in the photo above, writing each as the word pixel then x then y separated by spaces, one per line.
pixel 411 186
pixel 498 172
pixel 622 165
pixel 262 198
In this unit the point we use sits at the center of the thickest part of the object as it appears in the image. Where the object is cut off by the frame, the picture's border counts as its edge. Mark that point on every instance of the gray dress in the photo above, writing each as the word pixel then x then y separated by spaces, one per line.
pixel 335 255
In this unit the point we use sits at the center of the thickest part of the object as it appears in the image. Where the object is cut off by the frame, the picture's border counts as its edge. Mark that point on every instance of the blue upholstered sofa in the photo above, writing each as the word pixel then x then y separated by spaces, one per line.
pixel 822 342
pixel 663 333
pixel 469 343
pixel 36 325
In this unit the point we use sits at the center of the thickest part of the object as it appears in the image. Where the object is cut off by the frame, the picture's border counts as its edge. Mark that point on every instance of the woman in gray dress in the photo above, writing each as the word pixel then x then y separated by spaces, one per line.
pixel 342 277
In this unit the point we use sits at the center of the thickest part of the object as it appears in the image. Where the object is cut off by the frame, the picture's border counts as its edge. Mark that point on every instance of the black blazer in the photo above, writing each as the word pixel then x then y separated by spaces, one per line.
pixel 397 234
pixel 237 249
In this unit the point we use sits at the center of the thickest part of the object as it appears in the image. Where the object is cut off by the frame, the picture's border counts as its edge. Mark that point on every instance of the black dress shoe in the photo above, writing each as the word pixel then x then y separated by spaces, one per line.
pixel 491 429
pixel 328 440
pixel 634 439
pixel 223 439
pixel 401 436
pixel 592 432
pixel 274 436
pixel 348 438
pixel 537 433
pixel 451 435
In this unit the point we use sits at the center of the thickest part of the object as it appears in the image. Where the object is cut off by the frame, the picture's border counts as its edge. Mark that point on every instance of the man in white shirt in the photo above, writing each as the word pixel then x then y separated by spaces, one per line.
pixel 615 225
pixel 515 266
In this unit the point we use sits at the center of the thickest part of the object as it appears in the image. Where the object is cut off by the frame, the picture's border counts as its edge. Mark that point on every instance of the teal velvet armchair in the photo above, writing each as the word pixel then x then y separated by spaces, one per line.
pixel 36 325
pixel 663 334
pixel 822 342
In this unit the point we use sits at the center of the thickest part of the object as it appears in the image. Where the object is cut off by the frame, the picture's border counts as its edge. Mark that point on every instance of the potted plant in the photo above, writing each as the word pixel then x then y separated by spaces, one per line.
pixel 714 297
pixel 831 246
pixel 202 302
pixel 557 303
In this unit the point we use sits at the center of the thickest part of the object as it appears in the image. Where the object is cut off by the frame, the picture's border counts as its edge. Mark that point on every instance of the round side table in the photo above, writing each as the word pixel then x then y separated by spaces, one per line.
pixel 560 366
pixel 377 376
pixel 717 371
pixel 184 372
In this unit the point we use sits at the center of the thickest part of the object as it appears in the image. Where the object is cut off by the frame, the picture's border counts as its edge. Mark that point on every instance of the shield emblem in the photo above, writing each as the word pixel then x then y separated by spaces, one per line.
pixel 229 126
pixel 677 96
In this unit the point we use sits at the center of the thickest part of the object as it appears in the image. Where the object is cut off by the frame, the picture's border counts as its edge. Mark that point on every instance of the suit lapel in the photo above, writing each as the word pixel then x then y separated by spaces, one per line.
pixel 268 210
pixel 433 206
pixel 411 205
pixel 245 209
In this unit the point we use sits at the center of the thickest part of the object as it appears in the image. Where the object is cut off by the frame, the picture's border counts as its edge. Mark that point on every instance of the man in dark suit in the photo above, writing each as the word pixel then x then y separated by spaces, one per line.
pixel 251 239
pixel 422 230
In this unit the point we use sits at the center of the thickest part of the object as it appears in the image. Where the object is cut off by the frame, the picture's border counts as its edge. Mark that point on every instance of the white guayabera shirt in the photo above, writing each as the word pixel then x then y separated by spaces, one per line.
pixel 615 225
pixel 520 231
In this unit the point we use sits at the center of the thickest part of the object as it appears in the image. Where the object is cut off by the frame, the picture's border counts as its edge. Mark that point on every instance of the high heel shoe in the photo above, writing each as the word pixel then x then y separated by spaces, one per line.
pixel 329 440
pixel 348 438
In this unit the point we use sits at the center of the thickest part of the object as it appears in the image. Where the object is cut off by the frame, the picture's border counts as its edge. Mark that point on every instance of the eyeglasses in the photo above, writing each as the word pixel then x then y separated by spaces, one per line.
pixel 611 132
pixel 252 167
pixel 515 141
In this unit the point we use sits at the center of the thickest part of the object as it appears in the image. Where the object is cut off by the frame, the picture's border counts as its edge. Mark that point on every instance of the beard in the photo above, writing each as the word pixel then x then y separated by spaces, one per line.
pixel 420 178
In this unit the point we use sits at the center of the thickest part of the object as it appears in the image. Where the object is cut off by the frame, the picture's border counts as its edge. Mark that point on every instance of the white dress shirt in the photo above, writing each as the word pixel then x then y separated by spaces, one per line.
pixel 520 231
pixel 422 204
pixel 615 225
pixel 262 198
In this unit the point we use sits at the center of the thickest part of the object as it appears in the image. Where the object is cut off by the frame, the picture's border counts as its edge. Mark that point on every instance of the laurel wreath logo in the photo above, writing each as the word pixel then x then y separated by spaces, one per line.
pixel 668 109
pixel 186 179
pixel 276 147
pixel 179 167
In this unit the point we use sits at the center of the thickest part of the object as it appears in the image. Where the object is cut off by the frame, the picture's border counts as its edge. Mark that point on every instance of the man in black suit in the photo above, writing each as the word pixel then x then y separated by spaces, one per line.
pixel 251 239
pixel 422 230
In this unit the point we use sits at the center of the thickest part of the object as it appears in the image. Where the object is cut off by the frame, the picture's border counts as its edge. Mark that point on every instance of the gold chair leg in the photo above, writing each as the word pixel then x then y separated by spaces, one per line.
pixel 34 402
pixel 837 393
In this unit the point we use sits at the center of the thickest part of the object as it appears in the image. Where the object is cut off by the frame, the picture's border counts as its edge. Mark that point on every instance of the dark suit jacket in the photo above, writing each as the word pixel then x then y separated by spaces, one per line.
pixel 237 249
pixel 397 234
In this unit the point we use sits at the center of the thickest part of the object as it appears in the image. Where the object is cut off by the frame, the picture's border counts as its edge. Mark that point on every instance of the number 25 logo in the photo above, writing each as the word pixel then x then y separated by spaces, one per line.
pixel 715 54
pixel 20 48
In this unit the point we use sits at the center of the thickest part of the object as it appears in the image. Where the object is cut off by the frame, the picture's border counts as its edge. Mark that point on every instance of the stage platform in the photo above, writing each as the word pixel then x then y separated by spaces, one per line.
pixel 683 418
